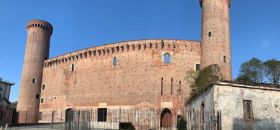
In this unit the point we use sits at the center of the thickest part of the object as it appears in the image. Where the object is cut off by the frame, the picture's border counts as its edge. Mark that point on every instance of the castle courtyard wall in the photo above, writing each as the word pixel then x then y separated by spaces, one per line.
pixel 140 79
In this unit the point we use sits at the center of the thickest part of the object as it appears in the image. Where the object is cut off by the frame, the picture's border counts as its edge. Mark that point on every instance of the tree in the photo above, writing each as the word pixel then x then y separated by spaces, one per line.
pixel 272 70
pixel 251 71
pixel 203 78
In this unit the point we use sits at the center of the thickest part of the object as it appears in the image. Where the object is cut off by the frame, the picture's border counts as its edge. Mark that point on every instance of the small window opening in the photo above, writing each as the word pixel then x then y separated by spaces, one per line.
pixel 72 67
pixel 166 58
pixel 225 59
pixel 37 96
pixel 115 61
pixel 33 81
pixel 42 100
pixel 197 67
pixel 102 115
pixel 209 34
pixel 43 86
pixel 248 110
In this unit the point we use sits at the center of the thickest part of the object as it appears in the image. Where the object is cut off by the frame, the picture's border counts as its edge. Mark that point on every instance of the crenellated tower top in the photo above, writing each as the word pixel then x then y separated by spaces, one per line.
pixel 201 1
pixel 36 23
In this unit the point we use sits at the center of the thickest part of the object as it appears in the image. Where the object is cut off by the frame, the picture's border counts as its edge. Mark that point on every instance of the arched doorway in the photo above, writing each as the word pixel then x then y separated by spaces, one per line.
pixel 69 115
pixel 166 118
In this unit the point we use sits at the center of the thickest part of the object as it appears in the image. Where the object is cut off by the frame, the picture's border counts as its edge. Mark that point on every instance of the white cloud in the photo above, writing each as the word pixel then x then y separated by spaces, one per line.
pixel 265 44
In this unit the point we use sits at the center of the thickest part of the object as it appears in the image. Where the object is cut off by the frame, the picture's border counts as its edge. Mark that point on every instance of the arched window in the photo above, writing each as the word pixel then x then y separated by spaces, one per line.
pixel 115 61
pixel 167 58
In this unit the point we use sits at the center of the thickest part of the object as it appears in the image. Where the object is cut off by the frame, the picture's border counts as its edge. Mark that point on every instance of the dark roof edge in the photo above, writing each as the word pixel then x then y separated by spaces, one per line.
pixel 6 82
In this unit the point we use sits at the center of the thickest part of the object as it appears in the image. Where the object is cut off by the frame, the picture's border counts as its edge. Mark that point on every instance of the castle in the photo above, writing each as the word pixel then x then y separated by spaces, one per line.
pixel 119 82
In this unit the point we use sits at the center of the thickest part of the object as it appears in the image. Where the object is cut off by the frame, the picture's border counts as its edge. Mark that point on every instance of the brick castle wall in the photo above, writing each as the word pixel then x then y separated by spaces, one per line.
pixel 140 79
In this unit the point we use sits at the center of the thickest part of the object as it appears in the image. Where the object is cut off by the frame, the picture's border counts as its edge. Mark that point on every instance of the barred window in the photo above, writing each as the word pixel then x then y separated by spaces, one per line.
pixel 248 110
pixel 197 67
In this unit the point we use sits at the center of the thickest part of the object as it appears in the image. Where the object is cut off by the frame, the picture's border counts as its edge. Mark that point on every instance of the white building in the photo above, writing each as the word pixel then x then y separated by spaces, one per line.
pixel 5 104
pixel 231 106
pixel 5 89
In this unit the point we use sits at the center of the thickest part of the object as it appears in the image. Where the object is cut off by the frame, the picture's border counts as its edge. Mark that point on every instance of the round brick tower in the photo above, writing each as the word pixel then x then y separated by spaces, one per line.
pixel 215 43
pixel 36 51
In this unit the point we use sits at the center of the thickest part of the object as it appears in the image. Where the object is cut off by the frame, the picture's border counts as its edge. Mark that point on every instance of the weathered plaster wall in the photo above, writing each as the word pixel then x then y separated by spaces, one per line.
pixel 227 98
pixel 194 111
pixel 265 103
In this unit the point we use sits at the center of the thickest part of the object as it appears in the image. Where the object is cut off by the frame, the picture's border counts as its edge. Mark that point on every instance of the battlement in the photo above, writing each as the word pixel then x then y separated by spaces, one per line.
pixel 201 2
pixel 110 49
pixel 40 24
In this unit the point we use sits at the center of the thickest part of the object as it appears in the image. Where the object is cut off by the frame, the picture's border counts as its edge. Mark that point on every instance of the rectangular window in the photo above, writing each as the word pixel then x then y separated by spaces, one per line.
pixel 102 115
pixel 248 110
pixel 197 67
pixel 225 59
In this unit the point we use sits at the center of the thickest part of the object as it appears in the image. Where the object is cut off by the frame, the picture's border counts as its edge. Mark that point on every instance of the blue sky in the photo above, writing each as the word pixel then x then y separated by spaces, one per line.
pixel 78 24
